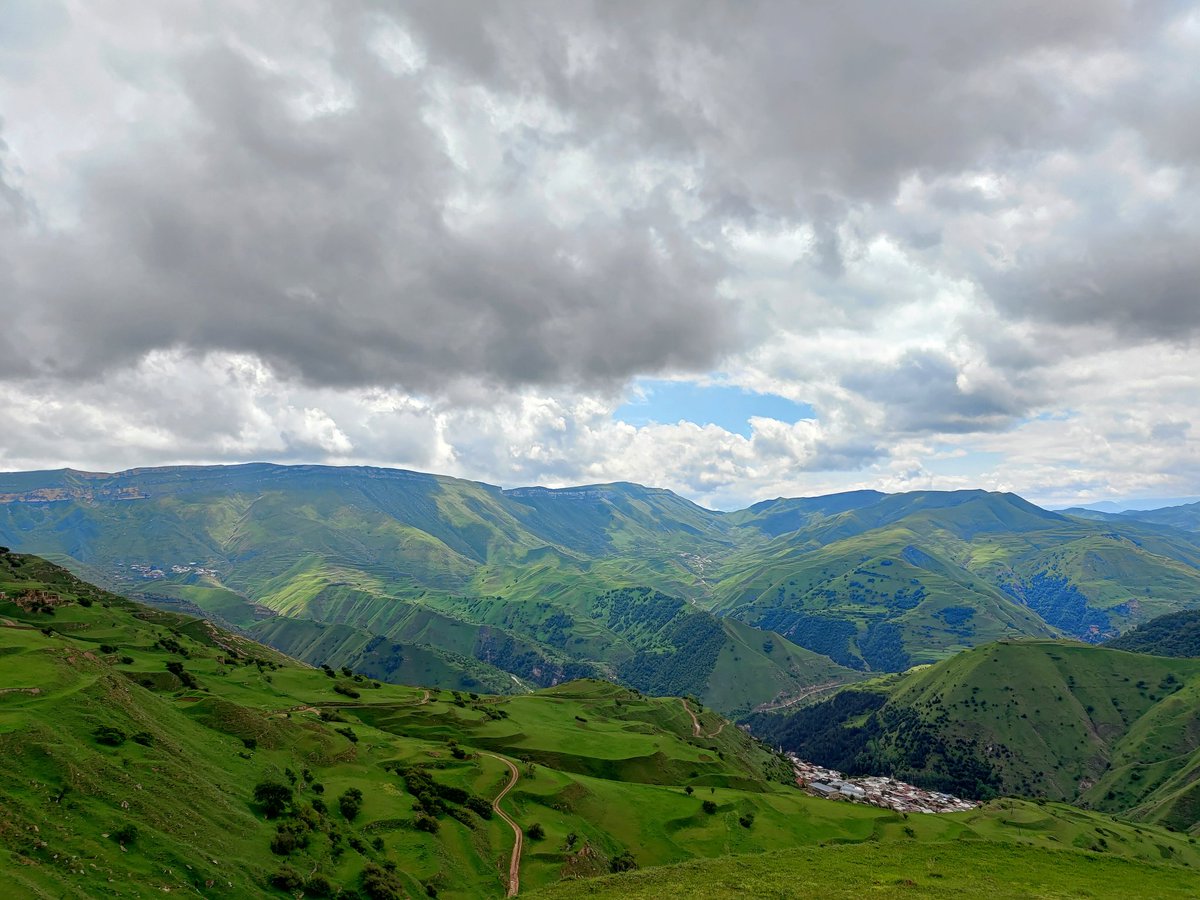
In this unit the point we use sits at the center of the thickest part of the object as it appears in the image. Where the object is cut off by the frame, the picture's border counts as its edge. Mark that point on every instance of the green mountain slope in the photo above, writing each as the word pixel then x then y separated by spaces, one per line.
pixel 914 578
pixel 1175 634
pixel 1111 730
pixel 332 784
pixel 471 583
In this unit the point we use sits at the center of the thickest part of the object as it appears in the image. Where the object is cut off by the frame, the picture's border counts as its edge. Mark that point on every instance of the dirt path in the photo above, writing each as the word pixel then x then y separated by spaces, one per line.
pixel 803 695
pixel 697 731
pixel 424 699
pixel 514 866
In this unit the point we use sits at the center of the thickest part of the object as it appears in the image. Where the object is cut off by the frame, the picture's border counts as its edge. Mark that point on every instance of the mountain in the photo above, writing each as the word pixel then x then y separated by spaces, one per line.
pixel 1108 729
pixel 328 783
pixel 423 578
pixel 1175 634
pixel 1185 517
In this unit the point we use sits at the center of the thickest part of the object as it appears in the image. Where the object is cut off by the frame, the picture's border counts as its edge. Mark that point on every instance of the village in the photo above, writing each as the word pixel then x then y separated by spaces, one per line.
pixel 876 790
pixel 154 572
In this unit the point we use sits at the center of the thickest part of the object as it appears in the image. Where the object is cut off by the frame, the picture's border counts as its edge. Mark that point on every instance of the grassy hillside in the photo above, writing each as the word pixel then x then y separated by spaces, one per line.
pixel 470 583
pixel 966 867
pixel 333 784
pixel 1112 730
pixel 914 578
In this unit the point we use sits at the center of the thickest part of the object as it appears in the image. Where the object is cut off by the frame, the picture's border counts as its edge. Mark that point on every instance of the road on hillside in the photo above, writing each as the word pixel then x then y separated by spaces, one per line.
pixel 696 729
pixel 514 866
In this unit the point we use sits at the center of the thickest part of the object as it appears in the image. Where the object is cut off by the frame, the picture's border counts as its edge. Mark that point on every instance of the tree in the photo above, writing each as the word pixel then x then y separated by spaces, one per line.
pixel 709 807
pixel 689 790
pixel 350 802
pixel 273 796
pixel 535 832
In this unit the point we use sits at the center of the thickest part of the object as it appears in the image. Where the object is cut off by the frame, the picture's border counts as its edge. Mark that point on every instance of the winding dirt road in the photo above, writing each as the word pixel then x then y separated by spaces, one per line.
pixel 697 731
pixel 514 866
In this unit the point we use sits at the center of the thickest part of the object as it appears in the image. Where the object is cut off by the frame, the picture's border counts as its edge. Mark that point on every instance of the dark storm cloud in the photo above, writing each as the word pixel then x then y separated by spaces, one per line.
pixel 1141 279
pixel 329 246
pixel 322 245
pixel 922 392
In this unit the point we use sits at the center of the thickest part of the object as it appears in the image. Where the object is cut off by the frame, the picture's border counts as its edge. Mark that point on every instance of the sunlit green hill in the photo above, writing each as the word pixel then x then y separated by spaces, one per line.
pixel 1108 729
pixel 148 752
pixel 415 577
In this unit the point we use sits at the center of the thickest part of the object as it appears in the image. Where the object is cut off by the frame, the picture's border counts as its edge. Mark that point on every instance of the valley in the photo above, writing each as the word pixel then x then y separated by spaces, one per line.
pixel 326 781
pixel 422 579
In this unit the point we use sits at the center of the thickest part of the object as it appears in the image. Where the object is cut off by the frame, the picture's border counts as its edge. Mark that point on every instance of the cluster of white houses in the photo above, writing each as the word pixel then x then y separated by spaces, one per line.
pixel 154 572
pixel 876 790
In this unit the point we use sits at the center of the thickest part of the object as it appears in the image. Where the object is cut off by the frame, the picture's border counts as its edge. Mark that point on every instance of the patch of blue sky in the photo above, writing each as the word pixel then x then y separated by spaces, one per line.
pixel 667 402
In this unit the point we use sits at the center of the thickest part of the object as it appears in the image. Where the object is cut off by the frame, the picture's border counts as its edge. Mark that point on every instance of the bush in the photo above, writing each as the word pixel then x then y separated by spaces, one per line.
pixel 273 796
pixel 623 863
pixel 746 821
pixel 109 736
pixel 709 807
pixel 287 879
pixel 250 743
pixel 380 884
pixel 347 691
pixel 426 823
pixel 348 734
pixel 480 807
pixel 319 886
pixel 350 802
pixel 145 738
pixel 107 648
pixel 126 834
pixel 535 832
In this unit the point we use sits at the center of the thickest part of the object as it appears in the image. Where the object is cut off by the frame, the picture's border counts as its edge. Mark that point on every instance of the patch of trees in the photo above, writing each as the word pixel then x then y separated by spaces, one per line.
pixel 1174 634
pixel 696 640
pixel 1063 605
pixel 434 799
pixel 823 634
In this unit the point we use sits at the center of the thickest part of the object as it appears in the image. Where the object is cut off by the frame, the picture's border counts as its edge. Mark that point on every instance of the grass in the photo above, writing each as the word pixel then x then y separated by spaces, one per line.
pixel 601 763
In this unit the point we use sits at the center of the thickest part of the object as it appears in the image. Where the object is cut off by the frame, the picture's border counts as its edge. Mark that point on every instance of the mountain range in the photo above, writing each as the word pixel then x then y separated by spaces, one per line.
pixel 426 579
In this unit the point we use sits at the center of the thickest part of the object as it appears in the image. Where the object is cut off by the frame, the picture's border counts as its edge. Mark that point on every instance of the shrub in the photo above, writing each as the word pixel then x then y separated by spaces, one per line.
pixel 126 834
pixel 380 884
pixel 746 821
pixel 426 823
pixel 250 743
pixel 347 691
pixel 350 802
pixel 109 736
pixel 348 734
pixel 319 886
pixel 709 807
pixel 287 879
pixel 623 863
pixel 480 807
pixel 535 832
pixel 273 796
pixel 145 738
pixel 107 648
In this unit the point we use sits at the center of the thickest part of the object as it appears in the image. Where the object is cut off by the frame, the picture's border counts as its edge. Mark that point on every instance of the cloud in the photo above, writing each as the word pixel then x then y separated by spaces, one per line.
pixel 451 236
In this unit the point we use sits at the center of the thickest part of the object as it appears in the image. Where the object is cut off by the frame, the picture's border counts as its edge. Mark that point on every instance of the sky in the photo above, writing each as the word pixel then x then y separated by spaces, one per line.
pixel 738 250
